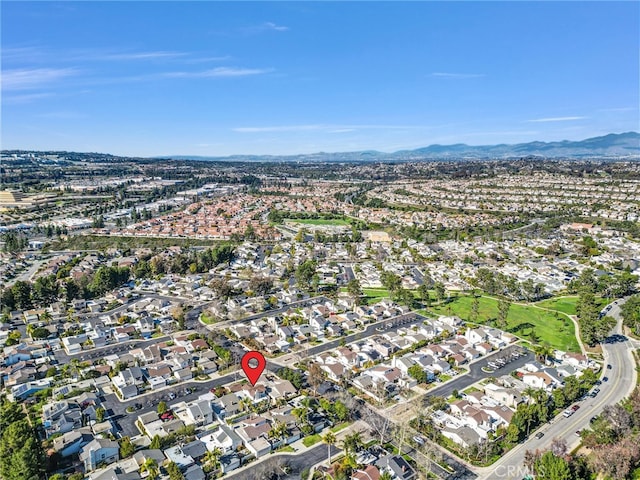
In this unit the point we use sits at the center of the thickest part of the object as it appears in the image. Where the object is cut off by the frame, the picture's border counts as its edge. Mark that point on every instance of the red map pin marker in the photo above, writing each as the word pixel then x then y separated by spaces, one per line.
pixel 253 369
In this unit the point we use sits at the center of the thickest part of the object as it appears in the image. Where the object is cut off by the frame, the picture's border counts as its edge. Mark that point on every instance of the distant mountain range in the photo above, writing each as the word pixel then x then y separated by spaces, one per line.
pixel 612 145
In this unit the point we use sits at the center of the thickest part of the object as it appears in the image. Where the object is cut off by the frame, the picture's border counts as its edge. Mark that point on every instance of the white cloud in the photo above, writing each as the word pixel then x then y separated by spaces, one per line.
pixel 219 72
pixel 557 119
pixel 142 55
pixel 342 130
pixel 457 75
pixel 265 27
pixel 207 59
pixel 277 28
pixel 26 98
pixel 29 78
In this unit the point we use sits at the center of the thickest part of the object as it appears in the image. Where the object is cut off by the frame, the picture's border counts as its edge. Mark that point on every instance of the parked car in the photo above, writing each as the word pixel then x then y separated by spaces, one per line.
pixel 575 408
pixel 419 440
pixel 539 435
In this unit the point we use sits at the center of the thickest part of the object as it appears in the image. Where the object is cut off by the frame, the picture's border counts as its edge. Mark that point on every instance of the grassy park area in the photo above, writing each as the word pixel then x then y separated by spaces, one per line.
pixel 374 295
pixel 318 221
pixel 562 304
pixel 555 329
pixel 568 304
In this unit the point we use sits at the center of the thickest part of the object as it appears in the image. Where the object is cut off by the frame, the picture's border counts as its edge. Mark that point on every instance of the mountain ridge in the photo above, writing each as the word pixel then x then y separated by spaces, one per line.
pixel 610 145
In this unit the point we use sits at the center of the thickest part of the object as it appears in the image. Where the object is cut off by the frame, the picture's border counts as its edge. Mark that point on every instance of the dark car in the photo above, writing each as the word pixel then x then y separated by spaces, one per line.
pixel 609 367
pixel 539 435
pixel 604 379
pixel 575 408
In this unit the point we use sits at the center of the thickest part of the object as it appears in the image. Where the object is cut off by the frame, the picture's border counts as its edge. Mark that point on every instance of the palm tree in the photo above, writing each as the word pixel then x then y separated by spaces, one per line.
pixel 386 476
pixel 329 439
pixel 301 414
pixel 543 352
pixel 279 430
pixel 352 443
pixel 150 466
pixel 46 317
pixel 246 403
pixel 529 393
pixel 213 457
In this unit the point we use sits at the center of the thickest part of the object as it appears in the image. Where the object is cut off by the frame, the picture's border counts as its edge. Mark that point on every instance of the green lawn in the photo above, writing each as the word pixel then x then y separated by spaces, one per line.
pixel 565 304
pixel 340 426
pixel 568 304
pixel 311 440
pixel 376 294
pixel 207 319
pixel 522 320
pixel 318 221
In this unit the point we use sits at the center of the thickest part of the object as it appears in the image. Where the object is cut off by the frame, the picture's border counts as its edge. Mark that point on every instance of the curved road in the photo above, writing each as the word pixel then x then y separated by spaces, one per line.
pixel 621 381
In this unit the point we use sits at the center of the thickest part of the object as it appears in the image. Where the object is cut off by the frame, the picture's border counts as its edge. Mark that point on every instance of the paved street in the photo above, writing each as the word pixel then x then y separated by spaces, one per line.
pixel 620 383
pixel 297 462
pixel 476 374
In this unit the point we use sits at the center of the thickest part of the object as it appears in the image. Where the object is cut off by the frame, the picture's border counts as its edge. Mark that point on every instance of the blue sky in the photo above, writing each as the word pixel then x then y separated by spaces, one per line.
pixel 219 78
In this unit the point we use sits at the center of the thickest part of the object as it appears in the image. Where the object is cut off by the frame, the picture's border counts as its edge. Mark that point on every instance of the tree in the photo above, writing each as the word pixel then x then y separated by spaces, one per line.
pixel 162 407
pixel 559 447
pixel 150 466
pixel 260 285
pixel 391 281
pixel 21 454
pixel 7 300
pixel 503 312
pixel 329 438
pixel 340 411
pixel 100 412
pixel 221 288
pixel 212 457
pixel 416 372
pixel 423 294
pixel 22 295
pixel 10 412
pixel 278 430
pixel 404 296
pixel 475 308
pixel 352 443
pixel 126 447
pixel 305 273
pixel 631 314
pixel 440 291
pixel 156 443
pixel 550 467
pixel 177 313
pixel 45 290
pixel 316 377
pixel 174 472
pixel 543 352
pixel 353 288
